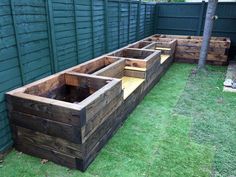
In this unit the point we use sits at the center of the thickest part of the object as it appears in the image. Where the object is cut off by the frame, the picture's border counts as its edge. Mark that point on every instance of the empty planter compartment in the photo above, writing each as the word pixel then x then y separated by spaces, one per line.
pixel 56 118
pixel 139 45
pixel 188 48
pixel 132 76
pixel 94 65
pixel 167 49
pixel 138 57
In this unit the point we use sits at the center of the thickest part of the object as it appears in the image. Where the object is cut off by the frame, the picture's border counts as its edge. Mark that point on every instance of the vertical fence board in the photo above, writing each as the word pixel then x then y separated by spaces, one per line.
pixel 106 25
pixel 17 43
pixel 189 18
pixel 76 31
pixel 52 35
pixel 92 27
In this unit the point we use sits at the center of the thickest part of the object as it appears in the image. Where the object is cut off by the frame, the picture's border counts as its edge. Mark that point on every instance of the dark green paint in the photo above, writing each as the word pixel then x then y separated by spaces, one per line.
pixel 18 47
pixel 188 19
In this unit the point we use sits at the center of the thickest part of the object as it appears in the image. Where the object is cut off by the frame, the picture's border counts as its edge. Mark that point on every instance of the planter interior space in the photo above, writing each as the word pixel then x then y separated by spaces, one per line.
pixel 94 65
pixel 167 48
pixel 139 45
pixel 131 77
pixel 65 109
pixel 137 57
pixel 188 48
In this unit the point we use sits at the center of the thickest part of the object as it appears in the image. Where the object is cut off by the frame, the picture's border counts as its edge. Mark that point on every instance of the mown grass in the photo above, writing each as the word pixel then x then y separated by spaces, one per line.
pixel 214 117
pixel 171 133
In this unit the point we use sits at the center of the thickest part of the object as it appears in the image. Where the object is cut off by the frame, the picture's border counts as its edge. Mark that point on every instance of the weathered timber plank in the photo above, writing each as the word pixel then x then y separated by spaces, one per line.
pixel 135 63
pixel 194 55
pixel 198 43
pixel 42 87
pixel 56 157
pixel 212 50
pixel 102 115
pixel 78 79
pixel 46 126
pixel 135 68
pixel 50 109
pixel 48 142
pixel 92 66
pixel 194 61
pixel 139 45
pixel 112 70
pixel 135 73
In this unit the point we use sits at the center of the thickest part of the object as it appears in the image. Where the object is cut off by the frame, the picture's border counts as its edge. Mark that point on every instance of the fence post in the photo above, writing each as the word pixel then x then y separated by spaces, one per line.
pixel 52 43
pixel 106 24
pixel 156 14
pixel 129 20
pixel 145 20
pixel 138 20
pixel 19 57
pixel 200 20
pixel 76 31
pixel 119 17
pixel 92 27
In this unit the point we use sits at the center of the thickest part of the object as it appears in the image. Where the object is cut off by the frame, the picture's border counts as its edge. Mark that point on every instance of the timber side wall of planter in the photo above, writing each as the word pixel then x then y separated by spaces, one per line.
pixel 68 117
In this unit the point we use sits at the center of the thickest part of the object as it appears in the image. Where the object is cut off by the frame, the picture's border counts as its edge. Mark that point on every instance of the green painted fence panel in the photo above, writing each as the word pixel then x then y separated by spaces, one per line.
pixel 9 69
pixel 188 19
pixel 133 22
pixel 65 33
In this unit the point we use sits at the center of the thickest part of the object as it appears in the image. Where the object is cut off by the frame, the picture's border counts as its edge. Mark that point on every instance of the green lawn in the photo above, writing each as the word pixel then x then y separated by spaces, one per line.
pixel 186 126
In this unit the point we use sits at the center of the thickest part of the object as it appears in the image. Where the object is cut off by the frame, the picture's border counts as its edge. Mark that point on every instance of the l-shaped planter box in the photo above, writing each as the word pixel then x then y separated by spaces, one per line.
pixel 188 48
pixel 69 116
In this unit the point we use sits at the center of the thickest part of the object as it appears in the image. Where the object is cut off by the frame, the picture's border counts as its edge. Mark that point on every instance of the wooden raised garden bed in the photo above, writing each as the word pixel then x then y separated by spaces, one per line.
pixel 188 48
pixel 68 117
pixel 54 118
pixel 167 48
pixel 137 57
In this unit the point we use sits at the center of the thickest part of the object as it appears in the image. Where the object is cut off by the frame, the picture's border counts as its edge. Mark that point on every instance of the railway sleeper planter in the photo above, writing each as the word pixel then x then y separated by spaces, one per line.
pixel 166 48
pixel 58 114
pixel 68 117
pixel 141 58
pixel 188 48
pixel 94 65
pixel 132 72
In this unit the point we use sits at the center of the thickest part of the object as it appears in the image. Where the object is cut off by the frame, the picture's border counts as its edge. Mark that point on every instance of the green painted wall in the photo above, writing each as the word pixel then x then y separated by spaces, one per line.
pixel 188 19
pixel 41 37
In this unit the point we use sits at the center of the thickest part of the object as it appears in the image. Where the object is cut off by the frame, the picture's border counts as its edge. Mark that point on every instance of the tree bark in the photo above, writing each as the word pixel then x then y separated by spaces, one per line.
pixel 210 17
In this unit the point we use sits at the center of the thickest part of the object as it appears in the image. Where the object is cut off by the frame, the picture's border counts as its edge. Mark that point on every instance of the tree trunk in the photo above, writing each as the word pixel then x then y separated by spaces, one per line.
pixel 210 17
